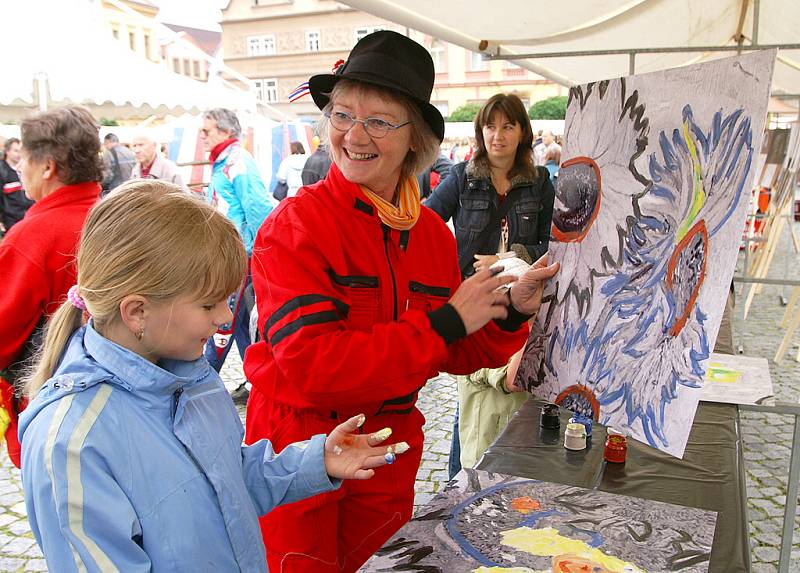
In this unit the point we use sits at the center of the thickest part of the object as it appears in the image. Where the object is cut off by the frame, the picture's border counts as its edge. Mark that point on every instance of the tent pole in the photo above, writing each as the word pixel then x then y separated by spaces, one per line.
pixel 631 63
pixel 756 10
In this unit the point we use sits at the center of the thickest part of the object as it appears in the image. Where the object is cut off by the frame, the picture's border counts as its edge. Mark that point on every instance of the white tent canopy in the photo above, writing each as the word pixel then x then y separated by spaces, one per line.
pixel 63 52
pixel 595 39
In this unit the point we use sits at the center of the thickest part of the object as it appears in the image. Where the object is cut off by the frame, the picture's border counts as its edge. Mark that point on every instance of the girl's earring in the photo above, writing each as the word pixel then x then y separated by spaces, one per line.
pixel 140 334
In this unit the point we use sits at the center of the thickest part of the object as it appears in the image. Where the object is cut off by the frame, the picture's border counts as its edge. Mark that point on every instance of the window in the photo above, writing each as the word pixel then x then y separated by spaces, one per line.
pixel 312 41
pixel 186 69
pixel 261 45
pixel 443 107
pixel 366 31
pixel 147 53
pixel 195 69
pixel 438 56
pixel 132 40
pixel 477 63
pixel 115 32
pixel 176 65
pixel 267 90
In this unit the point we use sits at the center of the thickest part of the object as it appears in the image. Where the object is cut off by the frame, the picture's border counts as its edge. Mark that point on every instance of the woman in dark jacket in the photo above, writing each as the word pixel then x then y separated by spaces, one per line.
pixel 498 200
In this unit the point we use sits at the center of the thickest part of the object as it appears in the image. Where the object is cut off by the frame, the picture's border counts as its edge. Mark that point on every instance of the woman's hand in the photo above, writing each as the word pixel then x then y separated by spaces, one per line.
pixel 484 262
pixel 349 455
pixel 526 293
pixel 477 301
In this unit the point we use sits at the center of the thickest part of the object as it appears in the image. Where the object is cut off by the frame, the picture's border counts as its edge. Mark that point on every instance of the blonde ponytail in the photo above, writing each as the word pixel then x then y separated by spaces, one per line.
pixel 62 324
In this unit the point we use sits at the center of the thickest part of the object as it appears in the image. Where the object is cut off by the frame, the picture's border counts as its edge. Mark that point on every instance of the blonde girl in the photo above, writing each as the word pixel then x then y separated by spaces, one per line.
pixel 132 456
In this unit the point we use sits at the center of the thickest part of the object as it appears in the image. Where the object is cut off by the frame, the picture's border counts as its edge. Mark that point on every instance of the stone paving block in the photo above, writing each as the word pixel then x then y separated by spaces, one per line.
pixel 11 563
pixel 36 565
pixel 19 546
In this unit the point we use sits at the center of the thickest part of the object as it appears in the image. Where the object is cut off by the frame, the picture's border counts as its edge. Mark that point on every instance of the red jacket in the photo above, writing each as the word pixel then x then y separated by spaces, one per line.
pixel 351 311
pixel 37 263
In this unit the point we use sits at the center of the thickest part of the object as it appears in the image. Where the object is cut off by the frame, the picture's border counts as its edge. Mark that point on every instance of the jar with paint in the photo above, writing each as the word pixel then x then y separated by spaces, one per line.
pixel 587 424
pixel 616 449
pixel 575 436
pixel 549 417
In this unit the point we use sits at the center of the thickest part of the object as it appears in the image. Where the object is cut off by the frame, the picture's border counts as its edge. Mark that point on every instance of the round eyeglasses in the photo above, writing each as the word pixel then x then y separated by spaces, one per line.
pixel 375 127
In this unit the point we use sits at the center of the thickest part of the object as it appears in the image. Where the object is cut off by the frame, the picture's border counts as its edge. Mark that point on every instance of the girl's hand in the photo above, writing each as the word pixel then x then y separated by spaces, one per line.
pixel 349 455
pixel 526 293
pixel 484 262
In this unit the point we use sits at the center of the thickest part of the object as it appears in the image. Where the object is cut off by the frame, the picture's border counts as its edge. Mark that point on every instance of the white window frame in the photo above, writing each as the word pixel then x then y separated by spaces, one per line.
pixel 439 56
pixel 477 63
pixel 261 45
pixel 266 89
pixel 362 31
pixel 313 41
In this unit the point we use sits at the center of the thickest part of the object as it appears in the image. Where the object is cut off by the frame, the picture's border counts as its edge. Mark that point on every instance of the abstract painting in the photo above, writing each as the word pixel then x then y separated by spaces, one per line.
pixel 492 523
pixel 734 379
pixel 650 207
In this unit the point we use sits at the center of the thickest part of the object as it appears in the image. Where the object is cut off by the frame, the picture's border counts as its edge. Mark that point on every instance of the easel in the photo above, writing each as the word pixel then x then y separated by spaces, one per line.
pixel 779 210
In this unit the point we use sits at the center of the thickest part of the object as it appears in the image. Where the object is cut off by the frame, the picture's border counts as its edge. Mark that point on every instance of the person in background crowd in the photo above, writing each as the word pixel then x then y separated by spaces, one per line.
pixel 432 177
pixel 236 181
pixel 501 205
pixel 360 302
pixel 61 170
pixel 13 202
pixel 291 168
pixel 552 161
pixel 316 166
pixel 162 481
pixel 152 165
pixel 540 151
pixel 118 162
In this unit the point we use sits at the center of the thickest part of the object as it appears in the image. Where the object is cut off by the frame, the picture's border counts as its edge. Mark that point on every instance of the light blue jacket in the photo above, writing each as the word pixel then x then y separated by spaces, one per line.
pixel 129 467
pixel 235 179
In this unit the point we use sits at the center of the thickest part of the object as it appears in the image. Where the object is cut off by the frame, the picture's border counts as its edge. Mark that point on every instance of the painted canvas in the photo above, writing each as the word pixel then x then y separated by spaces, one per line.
pixel 491 523
pixel 649 211
pixel 735 379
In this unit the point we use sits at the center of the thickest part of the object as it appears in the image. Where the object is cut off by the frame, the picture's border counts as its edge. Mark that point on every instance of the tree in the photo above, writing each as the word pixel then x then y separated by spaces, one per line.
pixel 551 108
pixel 466 112
pixel 104 121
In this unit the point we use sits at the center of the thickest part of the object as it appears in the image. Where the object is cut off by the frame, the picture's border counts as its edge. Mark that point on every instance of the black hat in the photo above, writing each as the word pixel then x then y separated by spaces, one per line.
pixel 389 60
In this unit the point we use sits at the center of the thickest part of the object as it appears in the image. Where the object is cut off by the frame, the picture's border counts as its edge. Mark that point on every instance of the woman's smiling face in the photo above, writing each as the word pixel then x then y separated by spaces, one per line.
pixel 375 163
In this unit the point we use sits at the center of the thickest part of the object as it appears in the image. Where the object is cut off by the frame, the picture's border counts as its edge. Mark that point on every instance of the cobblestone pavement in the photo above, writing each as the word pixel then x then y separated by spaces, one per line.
pixel 767 440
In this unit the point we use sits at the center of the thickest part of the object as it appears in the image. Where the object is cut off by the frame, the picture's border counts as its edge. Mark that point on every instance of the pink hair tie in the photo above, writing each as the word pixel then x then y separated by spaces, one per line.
pixel 74 297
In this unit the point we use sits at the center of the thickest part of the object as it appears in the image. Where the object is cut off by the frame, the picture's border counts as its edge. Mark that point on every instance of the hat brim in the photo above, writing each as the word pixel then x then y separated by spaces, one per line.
pixel 321 86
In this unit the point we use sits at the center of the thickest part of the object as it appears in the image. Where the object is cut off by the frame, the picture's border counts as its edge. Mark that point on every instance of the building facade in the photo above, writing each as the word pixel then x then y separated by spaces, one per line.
pixel 133 22
pixel 278 44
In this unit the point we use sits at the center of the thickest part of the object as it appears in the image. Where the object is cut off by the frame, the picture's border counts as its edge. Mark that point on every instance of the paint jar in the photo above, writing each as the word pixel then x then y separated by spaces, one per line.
pixel 549 418
pixel 575 436
pixel 616 449
pixel 587 423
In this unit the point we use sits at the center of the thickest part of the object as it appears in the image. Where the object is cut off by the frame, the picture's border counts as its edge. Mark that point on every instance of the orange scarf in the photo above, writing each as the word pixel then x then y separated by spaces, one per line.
pixel 404 215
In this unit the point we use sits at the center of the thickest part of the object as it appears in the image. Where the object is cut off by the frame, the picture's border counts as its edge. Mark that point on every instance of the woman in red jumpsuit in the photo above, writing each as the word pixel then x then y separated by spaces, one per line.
pixel 360 302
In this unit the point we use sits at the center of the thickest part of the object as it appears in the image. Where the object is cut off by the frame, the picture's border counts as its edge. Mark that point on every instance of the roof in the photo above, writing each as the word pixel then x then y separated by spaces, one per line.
pixel 206 40
pixel 582 42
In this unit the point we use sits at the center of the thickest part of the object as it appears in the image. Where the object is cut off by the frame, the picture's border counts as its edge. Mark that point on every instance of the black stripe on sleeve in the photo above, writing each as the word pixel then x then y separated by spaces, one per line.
pixel 299 302
pixel 307 320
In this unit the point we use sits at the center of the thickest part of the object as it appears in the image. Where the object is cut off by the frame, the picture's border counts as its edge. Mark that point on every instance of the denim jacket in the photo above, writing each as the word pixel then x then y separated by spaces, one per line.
pixel 470 199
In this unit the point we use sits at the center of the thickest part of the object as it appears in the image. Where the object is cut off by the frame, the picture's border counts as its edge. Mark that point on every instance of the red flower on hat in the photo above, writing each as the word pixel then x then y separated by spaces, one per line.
pixel 337 65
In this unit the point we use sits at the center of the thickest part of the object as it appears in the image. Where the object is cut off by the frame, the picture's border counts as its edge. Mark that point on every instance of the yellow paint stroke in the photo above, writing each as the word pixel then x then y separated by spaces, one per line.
pixel 718 373
pixel 548 542
pixel 698 191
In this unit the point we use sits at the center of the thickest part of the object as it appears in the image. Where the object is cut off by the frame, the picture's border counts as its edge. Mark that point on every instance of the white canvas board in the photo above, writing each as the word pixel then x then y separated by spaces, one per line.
pixel 736 379
pixel 650 207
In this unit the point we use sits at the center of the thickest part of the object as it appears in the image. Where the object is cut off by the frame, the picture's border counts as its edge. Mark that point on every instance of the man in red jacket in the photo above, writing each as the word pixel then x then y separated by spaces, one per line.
pixel 61 168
